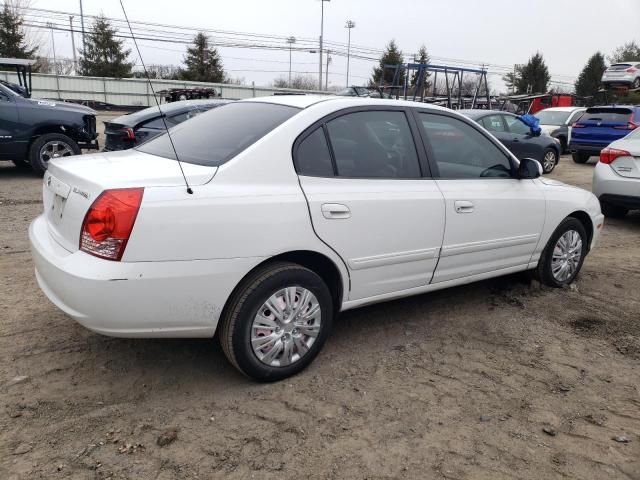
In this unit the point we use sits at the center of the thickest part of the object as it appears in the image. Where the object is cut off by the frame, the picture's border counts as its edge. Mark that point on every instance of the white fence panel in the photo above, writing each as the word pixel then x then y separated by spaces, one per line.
pixel 130 91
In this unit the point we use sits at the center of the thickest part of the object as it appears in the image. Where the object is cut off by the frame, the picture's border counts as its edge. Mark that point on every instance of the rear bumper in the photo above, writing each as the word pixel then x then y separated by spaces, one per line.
pixel 615 189
pixel 135 299
pixel 591 149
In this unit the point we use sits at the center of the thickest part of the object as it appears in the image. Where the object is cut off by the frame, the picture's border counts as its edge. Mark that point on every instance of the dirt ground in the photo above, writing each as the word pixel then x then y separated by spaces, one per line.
pixel 458 384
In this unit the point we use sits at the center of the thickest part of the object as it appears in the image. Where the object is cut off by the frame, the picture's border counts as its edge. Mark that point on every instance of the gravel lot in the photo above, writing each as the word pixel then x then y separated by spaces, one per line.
pixel 499 379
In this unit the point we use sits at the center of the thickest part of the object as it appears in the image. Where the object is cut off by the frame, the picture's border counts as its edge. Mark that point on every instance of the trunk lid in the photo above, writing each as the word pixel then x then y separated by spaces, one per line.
pixel 627 166
pixel 72 184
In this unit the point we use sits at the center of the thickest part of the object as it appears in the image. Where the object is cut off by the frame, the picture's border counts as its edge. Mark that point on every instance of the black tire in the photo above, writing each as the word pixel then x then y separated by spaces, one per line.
pixel 636 83
pixel 249 297
pixel 580 157
pixel 38 164
pixel 563 145
pixel 613 211
pixel 544 270
pixel 549 168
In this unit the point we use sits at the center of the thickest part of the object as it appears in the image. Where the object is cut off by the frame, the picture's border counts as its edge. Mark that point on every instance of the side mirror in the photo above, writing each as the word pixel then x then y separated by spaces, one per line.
pixel 529 168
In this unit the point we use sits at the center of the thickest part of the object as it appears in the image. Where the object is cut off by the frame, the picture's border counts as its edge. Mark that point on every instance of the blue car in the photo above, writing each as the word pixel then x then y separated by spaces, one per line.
pixel 599 126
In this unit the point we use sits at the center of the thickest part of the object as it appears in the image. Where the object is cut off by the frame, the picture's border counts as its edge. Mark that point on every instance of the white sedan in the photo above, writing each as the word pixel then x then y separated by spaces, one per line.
pixel 298 207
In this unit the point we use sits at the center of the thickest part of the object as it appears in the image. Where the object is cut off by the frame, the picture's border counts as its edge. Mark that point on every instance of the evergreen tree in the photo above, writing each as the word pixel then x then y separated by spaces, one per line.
pixel 202 62
pixel 12 35
pixel 423 59
pixel 391 56
pixel 534 76
pixel 626 52
pixel 588 82
pixel 511 79
pixel 104 55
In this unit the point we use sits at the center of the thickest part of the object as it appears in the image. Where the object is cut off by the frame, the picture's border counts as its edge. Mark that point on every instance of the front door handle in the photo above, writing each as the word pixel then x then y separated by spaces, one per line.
pixel 463 206
pixel 334 211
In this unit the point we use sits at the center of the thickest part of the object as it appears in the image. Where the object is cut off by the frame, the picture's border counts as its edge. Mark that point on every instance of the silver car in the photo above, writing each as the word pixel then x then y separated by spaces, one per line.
pixel 623 73
pixel 616 179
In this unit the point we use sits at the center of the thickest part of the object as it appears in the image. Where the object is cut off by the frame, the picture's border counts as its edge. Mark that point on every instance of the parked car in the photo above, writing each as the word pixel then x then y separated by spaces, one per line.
pixel 302 207
pixel 354 92
pixel 518 137
pixel 130 130
pixel 35 131
pixel 623 73
pixel 598 127
pixel 557 122
pixel 616 178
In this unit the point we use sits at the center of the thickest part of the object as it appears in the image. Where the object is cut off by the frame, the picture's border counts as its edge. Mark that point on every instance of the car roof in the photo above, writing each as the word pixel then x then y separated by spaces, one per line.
pixel 477 112
pixel 561 109
pixel 166 108
pixel 306 101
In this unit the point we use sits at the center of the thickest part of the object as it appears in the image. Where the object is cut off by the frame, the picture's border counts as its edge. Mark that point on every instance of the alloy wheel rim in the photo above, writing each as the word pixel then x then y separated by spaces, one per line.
pixel 566 256
pixel 286 326
pixel 54 149
pixel 549 161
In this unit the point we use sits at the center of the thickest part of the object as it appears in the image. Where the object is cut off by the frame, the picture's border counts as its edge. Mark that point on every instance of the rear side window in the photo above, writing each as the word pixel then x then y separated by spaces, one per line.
pixel 313 157
pixel 493 123
pixel 461 151
pixel 515 125
pixel 373 144
pixel 218 135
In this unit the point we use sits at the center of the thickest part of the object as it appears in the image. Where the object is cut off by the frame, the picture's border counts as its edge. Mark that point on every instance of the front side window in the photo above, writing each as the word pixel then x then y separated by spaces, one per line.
pixel 552 117
pixel 461 152
pixel 218 135
pixel 373 144
pixel 515 125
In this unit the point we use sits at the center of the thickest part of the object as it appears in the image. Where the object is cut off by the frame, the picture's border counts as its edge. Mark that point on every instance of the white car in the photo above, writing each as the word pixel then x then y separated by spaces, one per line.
pixel 623 73
pixel 616 178
pixel 557 122
pixel 301 207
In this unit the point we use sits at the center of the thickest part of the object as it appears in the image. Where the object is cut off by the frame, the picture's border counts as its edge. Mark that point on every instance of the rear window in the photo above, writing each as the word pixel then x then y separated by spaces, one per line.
pixel 606 115
pixel 215 137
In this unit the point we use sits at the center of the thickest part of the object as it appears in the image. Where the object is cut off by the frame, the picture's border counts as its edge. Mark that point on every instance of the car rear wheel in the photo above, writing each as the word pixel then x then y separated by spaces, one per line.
pixel 636 83
pixel 562 258
pixel 580 157
pixel 49 146
pixel 550 160
pixel 613 211
pixel 277 321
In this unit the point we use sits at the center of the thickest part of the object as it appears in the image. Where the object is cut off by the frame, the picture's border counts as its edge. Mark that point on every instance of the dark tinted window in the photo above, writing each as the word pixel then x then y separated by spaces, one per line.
pixel 607 115
pixel 220 134
pixel 493 123
pixel 461 151
pixel 313 157
pixel 374 144
pixel 157 123
pixel 515 125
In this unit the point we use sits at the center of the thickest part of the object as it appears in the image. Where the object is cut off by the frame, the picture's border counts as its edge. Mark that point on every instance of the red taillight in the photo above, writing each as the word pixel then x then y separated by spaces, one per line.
pixel 108 223
pixel 608 155
pixel 632 70
pixel 631 125
pixel 128 134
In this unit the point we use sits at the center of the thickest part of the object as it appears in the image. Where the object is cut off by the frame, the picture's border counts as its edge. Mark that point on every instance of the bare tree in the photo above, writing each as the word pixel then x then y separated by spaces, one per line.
pixel 300 82
pixel 61 66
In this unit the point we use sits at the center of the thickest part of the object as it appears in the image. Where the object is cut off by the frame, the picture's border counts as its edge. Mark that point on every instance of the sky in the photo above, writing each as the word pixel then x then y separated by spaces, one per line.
pixel 498 33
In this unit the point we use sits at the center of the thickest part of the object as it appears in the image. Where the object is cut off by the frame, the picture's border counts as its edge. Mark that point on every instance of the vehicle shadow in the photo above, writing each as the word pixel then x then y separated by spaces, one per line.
pixel 9 171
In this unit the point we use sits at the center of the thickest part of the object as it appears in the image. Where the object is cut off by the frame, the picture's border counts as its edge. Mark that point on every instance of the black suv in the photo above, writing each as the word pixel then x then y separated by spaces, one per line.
pixel 34 131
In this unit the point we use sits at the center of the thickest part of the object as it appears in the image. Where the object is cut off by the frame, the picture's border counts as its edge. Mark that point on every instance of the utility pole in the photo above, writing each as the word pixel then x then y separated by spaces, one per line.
pixel 73 45
pixel 53 47
pixel 326 82
pixel 82 25
pixel 321 35
pixel 290 41
pixel 349 26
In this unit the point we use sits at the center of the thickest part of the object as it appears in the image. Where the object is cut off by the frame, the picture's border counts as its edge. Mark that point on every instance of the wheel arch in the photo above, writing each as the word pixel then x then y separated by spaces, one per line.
pixel 317 262
pixel 585 219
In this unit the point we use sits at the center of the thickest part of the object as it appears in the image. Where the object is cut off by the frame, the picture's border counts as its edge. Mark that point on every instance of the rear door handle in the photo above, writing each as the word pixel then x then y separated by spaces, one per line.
pixel 334 211
pixel 463 206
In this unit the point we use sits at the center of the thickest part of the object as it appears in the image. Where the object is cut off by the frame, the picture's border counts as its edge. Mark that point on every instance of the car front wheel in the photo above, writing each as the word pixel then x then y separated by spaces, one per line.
pixel 277 321
pixel 562 257
pixel 49 146
pixel 636 83
pixel 550 160
pixel 580 157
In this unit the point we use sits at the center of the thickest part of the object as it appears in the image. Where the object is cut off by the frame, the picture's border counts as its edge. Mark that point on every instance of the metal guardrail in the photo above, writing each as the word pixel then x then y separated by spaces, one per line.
pixel 132 91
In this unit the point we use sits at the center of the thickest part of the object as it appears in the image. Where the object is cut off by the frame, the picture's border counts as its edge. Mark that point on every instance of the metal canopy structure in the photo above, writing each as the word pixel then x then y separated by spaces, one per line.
pixel 453 96
pixel 23 70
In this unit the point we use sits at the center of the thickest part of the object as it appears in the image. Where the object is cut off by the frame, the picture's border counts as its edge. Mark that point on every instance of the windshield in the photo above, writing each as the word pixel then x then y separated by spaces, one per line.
pixel 6 88
pixel 218 135
pixel 347 92
pixel 547 117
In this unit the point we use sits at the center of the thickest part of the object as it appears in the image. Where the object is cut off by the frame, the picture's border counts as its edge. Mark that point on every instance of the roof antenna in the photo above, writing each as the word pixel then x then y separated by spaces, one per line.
pixel 164 121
